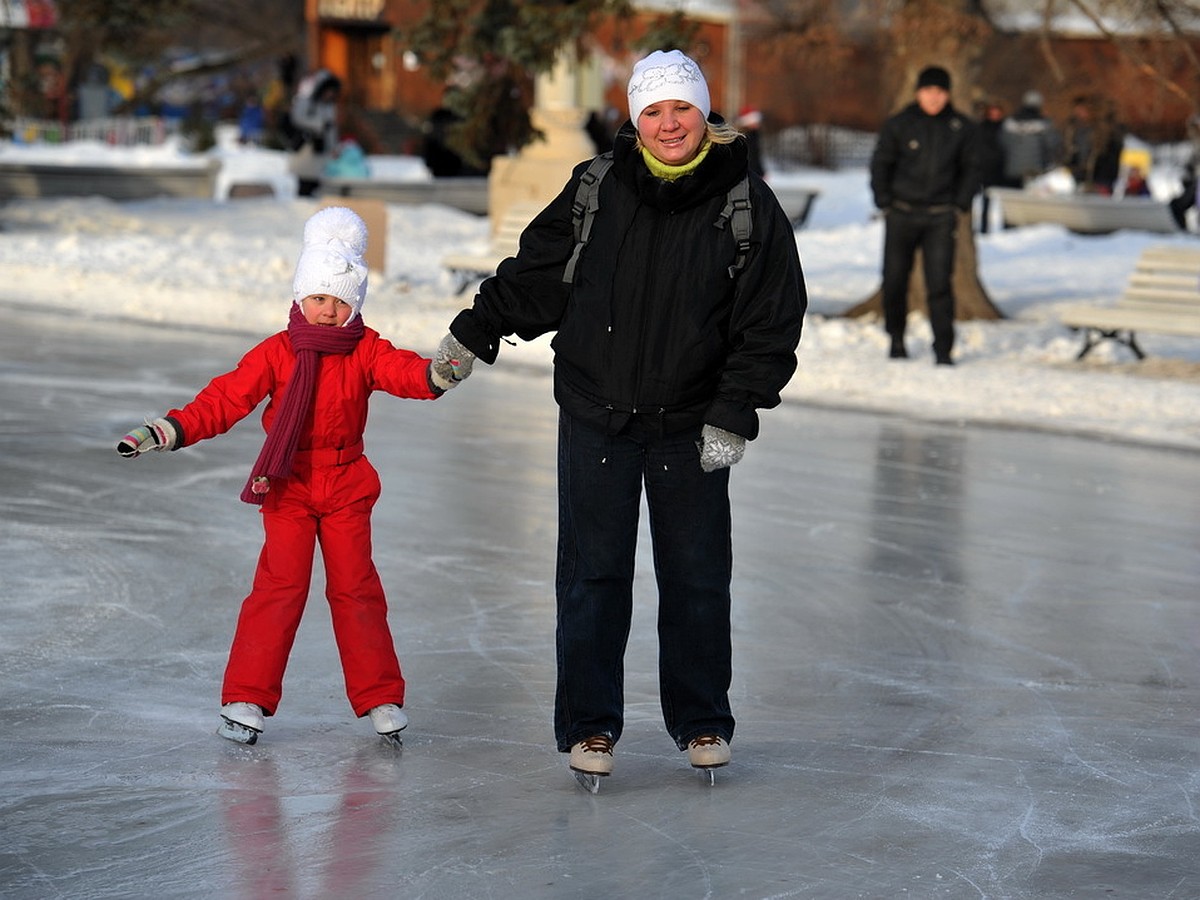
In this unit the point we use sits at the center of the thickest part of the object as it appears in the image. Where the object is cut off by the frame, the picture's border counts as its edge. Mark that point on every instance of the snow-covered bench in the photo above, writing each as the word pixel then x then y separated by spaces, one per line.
pixel 470 267
pixel 797 202
pixel 1084 213
pixel 183 178
pixel 1163 296
pixel 467 194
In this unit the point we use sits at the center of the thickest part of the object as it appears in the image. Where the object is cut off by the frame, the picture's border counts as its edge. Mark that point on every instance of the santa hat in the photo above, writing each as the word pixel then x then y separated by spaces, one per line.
pixel 331 261
pixel 749 117
pixel 667 75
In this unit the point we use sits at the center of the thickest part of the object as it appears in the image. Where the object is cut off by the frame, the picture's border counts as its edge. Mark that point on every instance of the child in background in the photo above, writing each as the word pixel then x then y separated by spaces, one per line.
pixel 311 479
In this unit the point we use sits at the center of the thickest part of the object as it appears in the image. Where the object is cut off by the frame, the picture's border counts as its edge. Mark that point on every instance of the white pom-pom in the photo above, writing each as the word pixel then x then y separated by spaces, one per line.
pixel 336 225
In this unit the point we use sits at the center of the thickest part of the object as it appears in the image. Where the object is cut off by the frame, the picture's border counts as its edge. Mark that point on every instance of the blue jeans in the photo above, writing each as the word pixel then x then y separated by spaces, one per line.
pixel 600 480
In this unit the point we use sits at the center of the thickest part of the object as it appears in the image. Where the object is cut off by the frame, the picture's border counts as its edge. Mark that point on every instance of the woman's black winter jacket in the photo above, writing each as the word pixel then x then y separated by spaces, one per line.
pixel 653 325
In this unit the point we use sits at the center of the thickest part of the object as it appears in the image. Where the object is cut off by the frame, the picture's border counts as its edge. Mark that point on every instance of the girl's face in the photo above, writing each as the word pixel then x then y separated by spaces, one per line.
pixel 672 130
pixel 325 309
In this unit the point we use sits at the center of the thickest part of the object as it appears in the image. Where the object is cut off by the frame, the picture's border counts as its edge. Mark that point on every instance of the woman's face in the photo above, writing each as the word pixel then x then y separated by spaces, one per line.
pixel 672 130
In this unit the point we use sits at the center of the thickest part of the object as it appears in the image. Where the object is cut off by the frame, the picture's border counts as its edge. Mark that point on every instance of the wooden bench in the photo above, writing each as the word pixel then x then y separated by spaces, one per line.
pixel 471 267
pixel 1163 297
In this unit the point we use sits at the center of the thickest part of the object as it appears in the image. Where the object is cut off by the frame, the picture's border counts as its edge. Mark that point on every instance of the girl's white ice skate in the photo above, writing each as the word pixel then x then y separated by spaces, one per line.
pixel 241 722
pixel 389 720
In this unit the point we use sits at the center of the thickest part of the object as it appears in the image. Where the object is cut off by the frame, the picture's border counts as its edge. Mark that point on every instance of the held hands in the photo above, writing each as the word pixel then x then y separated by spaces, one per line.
pixel 719 448
pixel 157 435
pixel 451 363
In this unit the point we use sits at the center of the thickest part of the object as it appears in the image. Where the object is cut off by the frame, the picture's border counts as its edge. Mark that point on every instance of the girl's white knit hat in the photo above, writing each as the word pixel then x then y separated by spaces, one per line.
pixel 331 261
pixel 667 75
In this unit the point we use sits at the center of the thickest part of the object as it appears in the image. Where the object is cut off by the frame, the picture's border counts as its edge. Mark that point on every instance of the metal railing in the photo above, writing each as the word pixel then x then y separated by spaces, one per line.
pixel 129 131
pixel 823 146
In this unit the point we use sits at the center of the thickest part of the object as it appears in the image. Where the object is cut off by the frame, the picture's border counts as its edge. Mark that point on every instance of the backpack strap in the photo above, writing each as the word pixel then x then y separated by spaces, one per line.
pixel 737 214
pixel 583 210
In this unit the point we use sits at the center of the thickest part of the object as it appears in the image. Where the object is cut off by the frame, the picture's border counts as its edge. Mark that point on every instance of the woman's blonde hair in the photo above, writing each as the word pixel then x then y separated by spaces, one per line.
pixel 724 133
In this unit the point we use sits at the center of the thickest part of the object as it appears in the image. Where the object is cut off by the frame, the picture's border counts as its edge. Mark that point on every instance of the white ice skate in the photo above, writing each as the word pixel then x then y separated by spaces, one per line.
pixel 389 720
pixel 592 760
pixel 707 753
pixel 241 722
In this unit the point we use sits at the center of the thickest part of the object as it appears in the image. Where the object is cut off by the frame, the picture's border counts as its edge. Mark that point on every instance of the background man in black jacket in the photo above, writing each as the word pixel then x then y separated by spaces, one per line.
pixel 924 171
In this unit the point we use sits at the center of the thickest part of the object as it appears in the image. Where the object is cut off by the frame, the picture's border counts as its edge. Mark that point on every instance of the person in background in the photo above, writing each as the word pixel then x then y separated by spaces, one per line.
pixel 1093 147
pixel 311 480
pixel 252 122
pixel 1032 145
pixel 665 351
pixel 597 127
pixel 991 159
pixel 347 161
pixel 439 157
pixel 750 120
pixel 924 173
pixel 1136 184
pixel 314 118
pixel 1110 139
pixel 1189 184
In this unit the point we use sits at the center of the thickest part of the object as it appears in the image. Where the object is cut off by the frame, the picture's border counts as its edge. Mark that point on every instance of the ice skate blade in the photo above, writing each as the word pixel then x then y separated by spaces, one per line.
pixel 589 781
pixel 236 731
pixel 709 772
pixel 393 740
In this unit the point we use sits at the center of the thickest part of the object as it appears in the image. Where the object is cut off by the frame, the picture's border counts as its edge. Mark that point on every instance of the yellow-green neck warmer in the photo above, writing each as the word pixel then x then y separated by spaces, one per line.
pixel 667 172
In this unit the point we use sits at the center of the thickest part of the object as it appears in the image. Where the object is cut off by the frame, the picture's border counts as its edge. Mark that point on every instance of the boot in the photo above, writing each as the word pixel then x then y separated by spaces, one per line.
pixel 388 718
pixel 248 714
pixel 593 756
pixel 708 751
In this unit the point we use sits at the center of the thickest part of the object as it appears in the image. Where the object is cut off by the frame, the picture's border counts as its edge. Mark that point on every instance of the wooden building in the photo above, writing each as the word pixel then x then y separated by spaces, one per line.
pixel 747 64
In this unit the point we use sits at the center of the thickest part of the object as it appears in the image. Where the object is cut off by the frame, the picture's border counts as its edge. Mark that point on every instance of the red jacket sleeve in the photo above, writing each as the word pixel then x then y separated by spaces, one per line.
pixel 231 397
pixel 399 372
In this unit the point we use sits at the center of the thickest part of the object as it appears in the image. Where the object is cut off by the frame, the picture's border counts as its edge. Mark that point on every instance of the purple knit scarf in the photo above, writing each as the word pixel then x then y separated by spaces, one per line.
pixel 308 343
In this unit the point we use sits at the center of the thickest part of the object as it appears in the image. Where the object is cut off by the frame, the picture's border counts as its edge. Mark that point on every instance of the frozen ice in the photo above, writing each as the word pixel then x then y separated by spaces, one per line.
pixel 966 660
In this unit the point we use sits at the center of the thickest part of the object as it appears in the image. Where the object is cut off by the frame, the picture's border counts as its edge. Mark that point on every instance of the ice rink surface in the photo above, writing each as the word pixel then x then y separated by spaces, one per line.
pixel 967 661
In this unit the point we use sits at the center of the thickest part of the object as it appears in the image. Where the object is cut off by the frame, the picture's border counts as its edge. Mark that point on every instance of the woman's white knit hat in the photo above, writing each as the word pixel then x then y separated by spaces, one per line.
pixel 331 261
pixel 667 75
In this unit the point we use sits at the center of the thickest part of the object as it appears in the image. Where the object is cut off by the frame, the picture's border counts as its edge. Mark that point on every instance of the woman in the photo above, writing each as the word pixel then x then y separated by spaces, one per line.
pixel 662 359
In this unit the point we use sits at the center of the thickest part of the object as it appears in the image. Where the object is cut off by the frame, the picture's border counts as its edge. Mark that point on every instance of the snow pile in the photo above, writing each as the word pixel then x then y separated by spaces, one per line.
pixel 228 265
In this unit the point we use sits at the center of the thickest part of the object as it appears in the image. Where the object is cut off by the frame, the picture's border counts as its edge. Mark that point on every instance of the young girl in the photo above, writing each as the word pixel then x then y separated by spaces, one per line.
pixel 311 479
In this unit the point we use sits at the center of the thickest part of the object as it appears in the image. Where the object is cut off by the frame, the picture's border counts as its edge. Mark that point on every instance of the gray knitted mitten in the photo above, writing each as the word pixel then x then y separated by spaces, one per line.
pixel 451 363
pixel 719 448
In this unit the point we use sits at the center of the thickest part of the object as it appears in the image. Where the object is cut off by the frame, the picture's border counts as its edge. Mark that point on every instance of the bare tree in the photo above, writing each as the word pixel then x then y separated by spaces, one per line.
pixel 217 35
pixel 488 52
pixel 952 34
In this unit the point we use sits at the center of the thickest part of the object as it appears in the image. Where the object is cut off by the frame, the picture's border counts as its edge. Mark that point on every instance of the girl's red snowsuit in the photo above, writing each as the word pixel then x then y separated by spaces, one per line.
pixel 328 499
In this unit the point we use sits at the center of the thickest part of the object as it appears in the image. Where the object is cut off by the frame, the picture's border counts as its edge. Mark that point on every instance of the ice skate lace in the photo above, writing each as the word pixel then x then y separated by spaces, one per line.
pixel 601 743
pixel 706 740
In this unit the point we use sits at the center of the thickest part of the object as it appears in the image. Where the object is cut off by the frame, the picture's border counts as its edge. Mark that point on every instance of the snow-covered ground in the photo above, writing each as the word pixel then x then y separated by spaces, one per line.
pixel 227 264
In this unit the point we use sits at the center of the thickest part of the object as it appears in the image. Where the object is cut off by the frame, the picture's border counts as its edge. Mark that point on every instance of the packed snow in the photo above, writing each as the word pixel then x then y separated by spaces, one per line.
pixel 227 264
